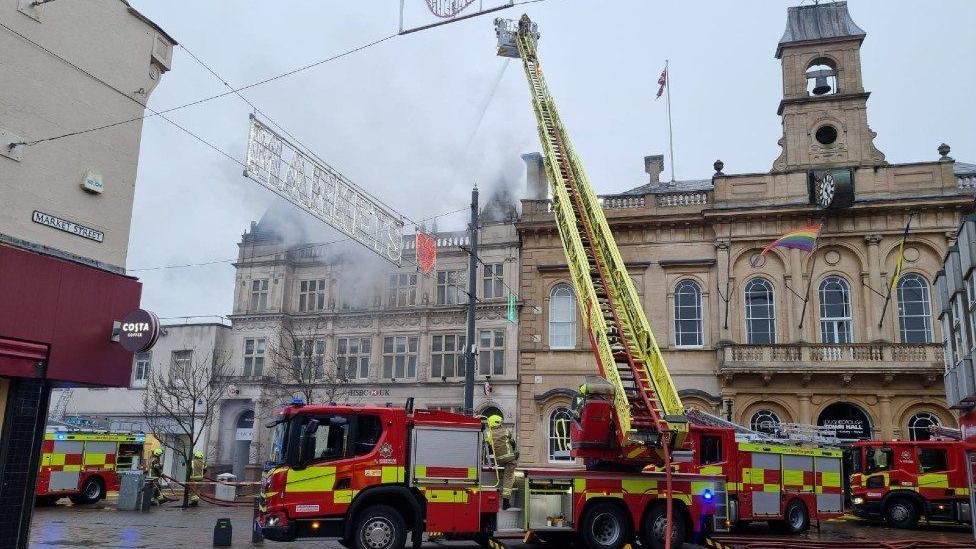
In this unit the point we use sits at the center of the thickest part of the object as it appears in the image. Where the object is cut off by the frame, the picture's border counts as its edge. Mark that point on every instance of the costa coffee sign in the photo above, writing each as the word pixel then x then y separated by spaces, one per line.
pixel 139 331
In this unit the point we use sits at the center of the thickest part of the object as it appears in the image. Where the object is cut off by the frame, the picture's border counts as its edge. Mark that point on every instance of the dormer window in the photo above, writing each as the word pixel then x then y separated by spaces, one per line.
pixel 821 77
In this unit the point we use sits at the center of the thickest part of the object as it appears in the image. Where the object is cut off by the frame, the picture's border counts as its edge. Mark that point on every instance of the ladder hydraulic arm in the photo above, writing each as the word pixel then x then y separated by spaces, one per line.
pixel 649 417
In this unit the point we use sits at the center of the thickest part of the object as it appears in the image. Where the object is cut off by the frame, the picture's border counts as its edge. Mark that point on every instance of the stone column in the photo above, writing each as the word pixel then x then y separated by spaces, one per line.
pixel 872 301
pixel 254 454
pixel 806 415
pixel 887 423
pixel 799 286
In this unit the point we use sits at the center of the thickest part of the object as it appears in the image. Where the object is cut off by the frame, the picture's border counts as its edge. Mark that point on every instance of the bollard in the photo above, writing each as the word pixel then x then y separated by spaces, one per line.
pixel 256 535
pixel 223 533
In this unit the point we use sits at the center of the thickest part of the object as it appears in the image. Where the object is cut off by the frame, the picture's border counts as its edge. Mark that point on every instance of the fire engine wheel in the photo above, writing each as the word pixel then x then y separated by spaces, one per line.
pixel 797 517
pixel 606 527
pixel 653 534
pixel 901 513
pixel 380 527
pixel 91 491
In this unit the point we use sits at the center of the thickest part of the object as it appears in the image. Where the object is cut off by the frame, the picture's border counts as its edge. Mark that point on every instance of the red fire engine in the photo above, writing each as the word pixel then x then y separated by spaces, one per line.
pixel 903 481
pixel 370 475
pixel 83 465
pixel 784 484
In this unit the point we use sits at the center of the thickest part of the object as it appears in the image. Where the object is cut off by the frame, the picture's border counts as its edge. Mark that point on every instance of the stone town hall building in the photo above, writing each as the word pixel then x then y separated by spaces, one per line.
pixel 737 337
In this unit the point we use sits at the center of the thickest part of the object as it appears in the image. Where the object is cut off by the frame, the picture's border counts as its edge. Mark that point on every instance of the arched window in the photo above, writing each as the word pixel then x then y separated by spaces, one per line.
pixel 918 425
pixel 760 312
pixel 687 314
pixel 558 434
pixel 835 311
pixel 765 421
pixel 562 317
pixel 914 309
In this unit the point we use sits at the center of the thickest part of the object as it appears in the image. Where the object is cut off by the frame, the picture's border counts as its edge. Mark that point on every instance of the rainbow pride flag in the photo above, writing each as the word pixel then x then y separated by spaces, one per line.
pixel 801 239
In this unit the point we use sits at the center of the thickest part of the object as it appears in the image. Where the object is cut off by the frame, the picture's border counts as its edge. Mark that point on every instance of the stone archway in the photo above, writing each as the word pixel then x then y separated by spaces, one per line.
pixel 850 421
pixel 241 449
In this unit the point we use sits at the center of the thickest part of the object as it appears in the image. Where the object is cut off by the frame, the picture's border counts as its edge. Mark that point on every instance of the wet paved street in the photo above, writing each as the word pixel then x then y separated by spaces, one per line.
pixel 66 525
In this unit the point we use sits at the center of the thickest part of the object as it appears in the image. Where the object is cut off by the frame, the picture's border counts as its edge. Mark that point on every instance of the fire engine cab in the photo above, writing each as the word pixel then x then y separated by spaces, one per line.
pixel 370 475
pixel 84 465
pixel 903 481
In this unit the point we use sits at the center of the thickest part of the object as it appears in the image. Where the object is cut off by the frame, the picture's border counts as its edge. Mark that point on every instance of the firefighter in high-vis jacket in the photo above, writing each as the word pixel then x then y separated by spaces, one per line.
pixel 156 473
pixel 506 453
pixel 197 467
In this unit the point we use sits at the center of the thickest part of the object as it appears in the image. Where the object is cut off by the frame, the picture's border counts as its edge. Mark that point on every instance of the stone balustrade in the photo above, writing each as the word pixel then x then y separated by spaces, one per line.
pixel 853 357
pixel 674 200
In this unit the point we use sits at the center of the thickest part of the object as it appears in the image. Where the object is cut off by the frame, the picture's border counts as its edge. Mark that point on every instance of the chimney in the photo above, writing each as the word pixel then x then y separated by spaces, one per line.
pixel 536 182
pixel 654 165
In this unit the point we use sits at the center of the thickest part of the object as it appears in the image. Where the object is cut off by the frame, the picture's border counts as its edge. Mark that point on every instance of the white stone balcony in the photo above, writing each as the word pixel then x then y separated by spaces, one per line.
pixel 885 358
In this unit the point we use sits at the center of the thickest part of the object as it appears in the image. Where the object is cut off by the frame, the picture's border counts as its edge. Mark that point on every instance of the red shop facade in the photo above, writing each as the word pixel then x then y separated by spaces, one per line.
pixel 56 328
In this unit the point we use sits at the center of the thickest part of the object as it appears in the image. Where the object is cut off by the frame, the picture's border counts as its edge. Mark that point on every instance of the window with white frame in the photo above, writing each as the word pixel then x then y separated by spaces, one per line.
pixel 400 357
pixel 352 356
pixel 451 289
pixel 401 290
pixel 311 295
pixel 760 312
pixel 559 422
pixel 919 425
pixel 764 421
pixel 971 292
pixel 914 309
pixel 688 314
pixel 835 311
pixel 562 317
pixel 958 337
pixel 254 348
pixel 259 294
pixel 181 362
pixel 308 358
pixel 447 356
pixel 141 368
pixel 493 281
pixel 491 353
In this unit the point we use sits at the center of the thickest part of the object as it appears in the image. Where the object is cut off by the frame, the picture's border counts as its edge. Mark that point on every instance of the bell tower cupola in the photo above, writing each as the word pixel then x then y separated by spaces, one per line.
pixel 824 105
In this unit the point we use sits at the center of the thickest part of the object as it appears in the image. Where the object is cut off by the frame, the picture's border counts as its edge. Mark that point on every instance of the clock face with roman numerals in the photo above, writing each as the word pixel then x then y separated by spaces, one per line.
pixel 825 191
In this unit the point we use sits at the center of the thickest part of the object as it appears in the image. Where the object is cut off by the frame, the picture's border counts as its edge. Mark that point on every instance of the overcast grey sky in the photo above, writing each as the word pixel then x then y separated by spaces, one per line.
pixel 396 118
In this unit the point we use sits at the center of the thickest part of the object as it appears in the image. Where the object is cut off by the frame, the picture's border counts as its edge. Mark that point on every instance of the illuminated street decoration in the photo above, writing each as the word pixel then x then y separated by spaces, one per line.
pixel 322 191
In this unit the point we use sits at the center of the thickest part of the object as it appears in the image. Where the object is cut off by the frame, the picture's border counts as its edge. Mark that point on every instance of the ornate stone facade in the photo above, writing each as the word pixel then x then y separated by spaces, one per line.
pixel 800 337
pixel 289 287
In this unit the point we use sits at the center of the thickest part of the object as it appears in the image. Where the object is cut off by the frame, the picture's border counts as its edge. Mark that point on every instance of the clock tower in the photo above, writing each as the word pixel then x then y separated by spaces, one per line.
pixel 824 105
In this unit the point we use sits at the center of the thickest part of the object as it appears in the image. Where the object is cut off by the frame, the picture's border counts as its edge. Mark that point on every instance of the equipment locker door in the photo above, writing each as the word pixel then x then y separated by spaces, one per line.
pixel 829 486
pixel 65 465
pixel 765 483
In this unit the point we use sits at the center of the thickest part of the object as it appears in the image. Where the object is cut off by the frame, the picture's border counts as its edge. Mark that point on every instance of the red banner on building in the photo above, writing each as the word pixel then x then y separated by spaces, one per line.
pixel 426 252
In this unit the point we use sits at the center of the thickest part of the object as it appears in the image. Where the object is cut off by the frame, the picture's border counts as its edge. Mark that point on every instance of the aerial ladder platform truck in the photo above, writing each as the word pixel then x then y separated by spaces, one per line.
pixel 376 477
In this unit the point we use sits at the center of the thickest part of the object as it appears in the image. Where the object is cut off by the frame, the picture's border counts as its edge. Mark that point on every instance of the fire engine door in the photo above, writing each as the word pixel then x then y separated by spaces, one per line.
pixel 765 478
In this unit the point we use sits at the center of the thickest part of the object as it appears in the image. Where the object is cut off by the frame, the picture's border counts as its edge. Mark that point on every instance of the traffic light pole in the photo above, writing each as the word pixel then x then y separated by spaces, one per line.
pixel 472 304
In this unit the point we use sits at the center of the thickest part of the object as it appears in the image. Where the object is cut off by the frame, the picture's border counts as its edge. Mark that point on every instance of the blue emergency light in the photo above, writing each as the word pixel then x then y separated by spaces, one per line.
pixel 708 495
pixel 297 402
pixel 61 436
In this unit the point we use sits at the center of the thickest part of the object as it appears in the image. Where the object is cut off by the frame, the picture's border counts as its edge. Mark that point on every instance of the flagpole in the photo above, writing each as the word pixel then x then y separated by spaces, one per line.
pixel 667 86
pixel 813 263
pixel 894 275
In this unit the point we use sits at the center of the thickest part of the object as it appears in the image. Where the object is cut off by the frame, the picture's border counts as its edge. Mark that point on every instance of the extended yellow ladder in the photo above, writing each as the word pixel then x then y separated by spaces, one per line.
pixel 644 397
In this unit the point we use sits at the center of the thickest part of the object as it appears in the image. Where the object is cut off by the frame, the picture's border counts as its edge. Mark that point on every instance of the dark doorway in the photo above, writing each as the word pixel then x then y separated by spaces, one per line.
pixel 852 424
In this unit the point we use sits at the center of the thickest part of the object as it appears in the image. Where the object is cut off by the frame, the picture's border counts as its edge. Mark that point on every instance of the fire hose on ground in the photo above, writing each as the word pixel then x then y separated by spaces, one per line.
pixel 193 487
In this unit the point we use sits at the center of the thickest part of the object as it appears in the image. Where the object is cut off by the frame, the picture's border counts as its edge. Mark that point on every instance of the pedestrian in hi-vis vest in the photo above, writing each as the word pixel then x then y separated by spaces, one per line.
pixel 197 467
pixel 156 473
pixel 505 450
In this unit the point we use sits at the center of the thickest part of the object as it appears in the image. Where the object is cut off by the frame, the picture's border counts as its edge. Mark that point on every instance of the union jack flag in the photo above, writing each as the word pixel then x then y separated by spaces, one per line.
pixel 662 81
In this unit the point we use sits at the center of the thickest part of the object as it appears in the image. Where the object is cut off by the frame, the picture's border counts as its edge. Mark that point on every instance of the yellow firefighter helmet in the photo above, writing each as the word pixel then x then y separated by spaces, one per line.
pixel 495 421
pixel 158 452
pixel 198 455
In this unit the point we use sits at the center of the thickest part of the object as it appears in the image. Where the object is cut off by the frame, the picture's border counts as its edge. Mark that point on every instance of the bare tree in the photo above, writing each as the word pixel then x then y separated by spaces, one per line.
pixel 184 401
pixel 302 367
